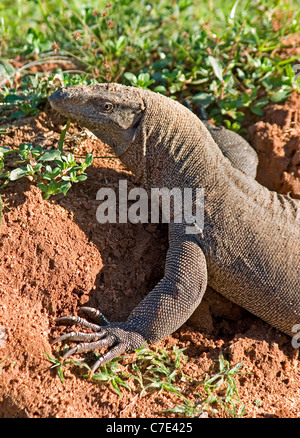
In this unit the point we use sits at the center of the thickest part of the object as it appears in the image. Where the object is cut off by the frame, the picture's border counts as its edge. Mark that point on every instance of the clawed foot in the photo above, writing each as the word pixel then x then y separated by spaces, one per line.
pixel 116 336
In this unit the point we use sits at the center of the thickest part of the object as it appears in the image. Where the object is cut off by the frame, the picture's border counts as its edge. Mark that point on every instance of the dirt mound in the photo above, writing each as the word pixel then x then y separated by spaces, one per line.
pixel 276 139
pixel 55 257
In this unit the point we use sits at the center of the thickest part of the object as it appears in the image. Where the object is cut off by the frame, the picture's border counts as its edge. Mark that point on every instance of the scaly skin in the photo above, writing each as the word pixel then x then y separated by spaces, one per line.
pixel 249 247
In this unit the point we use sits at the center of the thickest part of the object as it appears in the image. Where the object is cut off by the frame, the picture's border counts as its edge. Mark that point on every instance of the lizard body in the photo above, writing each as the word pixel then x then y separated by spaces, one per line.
pixel 249 247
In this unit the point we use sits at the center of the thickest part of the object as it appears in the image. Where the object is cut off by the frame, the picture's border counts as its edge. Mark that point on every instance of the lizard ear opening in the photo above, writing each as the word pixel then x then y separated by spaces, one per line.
pixel 128 136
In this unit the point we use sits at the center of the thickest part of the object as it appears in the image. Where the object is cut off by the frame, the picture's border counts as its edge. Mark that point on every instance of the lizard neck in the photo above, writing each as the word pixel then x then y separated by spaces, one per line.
pixel 172 148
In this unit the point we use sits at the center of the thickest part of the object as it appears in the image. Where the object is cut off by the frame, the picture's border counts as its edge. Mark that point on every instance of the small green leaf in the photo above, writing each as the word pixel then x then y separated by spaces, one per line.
pixel 4 150
pixel 29 168
pixel 51 173
pixel 257 107
pixel 24 150
pixel 114 384
pixel 144 77
pixel 217 67
pixel 100 376
pixel 81 177
pixel 160 89
pixel 65 186
pixel 51 189
pixel 37 151
pixel 88 159
pixel 131 77
pixel 17 173
pixel 13 98
pixel 55 172
pixel 59 163
pixel 43 187
pixel 71 159
pixel 6 69
pixel 203 99
pixel 280 95
pixel 37 167
pixel 50 155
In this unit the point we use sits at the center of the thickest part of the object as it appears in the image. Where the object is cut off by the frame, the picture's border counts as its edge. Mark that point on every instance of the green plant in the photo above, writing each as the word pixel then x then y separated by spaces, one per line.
pixel 53 171
pixel 227 56
pixel 142 80
pixel 56 363
pixel 158 370
pixel 61 365
pixel 150 371
pixel 32 91
pixel 113 374
pixel 220 393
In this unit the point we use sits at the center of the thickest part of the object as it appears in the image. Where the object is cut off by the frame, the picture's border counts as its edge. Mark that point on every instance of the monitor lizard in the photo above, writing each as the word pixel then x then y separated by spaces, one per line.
pixel 249 247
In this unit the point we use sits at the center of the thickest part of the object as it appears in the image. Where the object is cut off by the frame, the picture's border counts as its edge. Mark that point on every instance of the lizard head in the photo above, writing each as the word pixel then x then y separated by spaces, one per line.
pixel 111 111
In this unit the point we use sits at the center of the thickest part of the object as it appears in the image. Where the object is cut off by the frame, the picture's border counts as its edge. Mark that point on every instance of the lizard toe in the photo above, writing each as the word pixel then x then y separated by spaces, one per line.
pixel 86 347
pixel 114 352
pixel 78 337
pixel 76 320
pixel 94 315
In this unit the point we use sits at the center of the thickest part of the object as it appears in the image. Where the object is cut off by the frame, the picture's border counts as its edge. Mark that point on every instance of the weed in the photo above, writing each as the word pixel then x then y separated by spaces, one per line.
pixel 56 363
pixel 151 371
pixel 220 394
pixel 31 93
pixel 158 370
pixel 53 171
pixel 113 373
pixel 227 56
pixel 60 365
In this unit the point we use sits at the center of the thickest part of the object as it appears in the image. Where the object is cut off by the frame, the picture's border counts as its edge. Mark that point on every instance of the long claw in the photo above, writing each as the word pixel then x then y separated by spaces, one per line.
pixel 79 336
pixel 76 320
pixel 107 357
pixel 95 315
pixel 115 336
pixel 85 347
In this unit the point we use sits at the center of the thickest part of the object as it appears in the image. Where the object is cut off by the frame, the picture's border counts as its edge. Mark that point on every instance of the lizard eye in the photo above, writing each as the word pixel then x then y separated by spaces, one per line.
pixel 107 107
